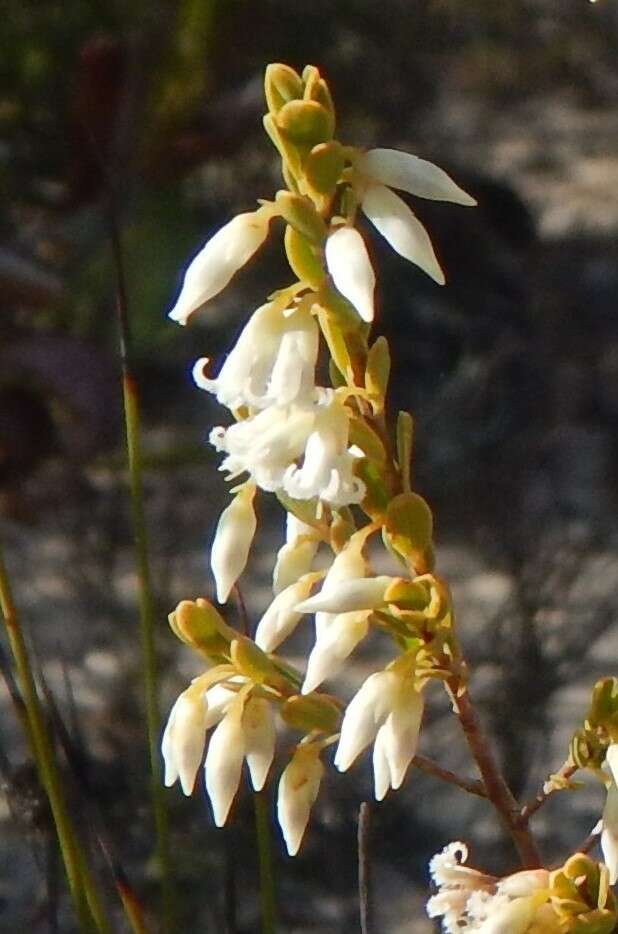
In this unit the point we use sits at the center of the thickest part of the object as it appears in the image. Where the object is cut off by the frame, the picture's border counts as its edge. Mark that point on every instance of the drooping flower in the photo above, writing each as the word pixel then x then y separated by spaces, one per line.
pixel 379 170
pixel 259 735
pixel 294 559
pixel 183 740
pixel 298 790
pixel 282 617
pixel 268 444
pixel 387 709
pixel 272 362
pixel 336 640
pixel 230 548
pixel 483 904
pixel 361 593
pixel 351 270
pixel 224 254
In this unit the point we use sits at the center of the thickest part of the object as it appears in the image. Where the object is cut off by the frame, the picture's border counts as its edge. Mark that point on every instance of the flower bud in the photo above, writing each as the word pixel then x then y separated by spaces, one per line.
pixel 308 712
pixel 230 549
pixel 259 732
pixel 224 759
pixel 294 559
pixel 199 625
pixel 298 789
pixel 300 214
pixel 351 270
pixel 250 661
pixel 364 593
pixel 281 84
pixel 183 740
pixel 282 617
pixel 336 641
pixel 302 259
pixel 305 123
pixel 323 167
pixel 223 255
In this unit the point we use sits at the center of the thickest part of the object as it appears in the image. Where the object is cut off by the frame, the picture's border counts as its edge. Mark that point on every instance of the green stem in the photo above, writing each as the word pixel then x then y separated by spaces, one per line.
pixel 148 651
pixel 268 907
pixel 81 884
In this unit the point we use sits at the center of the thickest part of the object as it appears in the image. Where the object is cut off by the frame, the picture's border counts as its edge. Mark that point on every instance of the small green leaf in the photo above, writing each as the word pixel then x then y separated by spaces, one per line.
pixel 377 372
pixel 367 439
pixel 409 526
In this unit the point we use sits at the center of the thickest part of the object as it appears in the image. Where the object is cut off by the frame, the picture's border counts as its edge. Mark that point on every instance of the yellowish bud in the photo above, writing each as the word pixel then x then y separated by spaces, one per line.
pixel 305 123
pixel 281 84
pixel 300 213
pixel 199 625
pixel 302 259
pixel 409 527
pixel 251 661
pixel 308 712
pixel 323 167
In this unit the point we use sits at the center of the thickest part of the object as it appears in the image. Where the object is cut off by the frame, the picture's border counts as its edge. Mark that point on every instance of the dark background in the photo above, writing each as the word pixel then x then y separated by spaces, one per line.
pixel 510 370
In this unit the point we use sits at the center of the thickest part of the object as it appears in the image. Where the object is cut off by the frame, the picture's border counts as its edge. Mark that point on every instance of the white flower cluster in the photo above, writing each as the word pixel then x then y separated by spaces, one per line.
pixel 609 824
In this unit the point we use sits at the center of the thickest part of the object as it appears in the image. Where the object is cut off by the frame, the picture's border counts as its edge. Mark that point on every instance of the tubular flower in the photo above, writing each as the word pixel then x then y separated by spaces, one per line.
pixel 351 270
pixel 609 833
pixel 379 168
pixel 230 549
pixel 349 564
pixel 476 902
pixel 361 593
pixel 298 789
pixel 272 363
pixel 336 641
pixel 388 710
pixel 223 255
pixel 294 559
pixel 183 740
pixel 259 735
pixel 282 616
pixel 269 444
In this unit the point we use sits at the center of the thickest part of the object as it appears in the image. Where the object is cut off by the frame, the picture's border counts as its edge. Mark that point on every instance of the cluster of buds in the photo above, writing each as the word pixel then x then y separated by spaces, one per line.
pixel 343 479
pixel 572 899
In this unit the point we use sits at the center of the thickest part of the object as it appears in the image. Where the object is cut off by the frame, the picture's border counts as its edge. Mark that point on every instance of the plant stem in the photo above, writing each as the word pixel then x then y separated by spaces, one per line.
pixel 148 651
pixel 466 784
pixel 268 905
pixel 496 787
pixel 82 886
pixel 566 771
pixel 364 868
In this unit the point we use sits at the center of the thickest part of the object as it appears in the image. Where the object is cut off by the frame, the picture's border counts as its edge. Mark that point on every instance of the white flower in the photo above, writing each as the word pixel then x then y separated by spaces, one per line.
pixel 609 833
pixel 294 559
pixel 350 267
pixel 183 740
pixel 282 617
pixel 230 549
pixel 272 362
pixel 226 751
pixel 387 709
pixel 392 217
pixel 259 734
pixel 337 639
pixel 326 471
pixel 361 593
pixel 298 789
pixel 224 254
pixel 482 904
pixel 350 563
pixel 268 445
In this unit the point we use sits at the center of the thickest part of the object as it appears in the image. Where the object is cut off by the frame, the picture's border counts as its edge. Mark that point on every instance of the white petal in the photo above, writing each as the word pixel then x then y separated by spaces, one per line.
pixel 381 770
pixel 611 757
pixel 398 225
pixel 298 789
pixel 183 741
pixel 223 255
pixel 259 729
pixel 401 735
pixel 364 716
pixel 609 835
pixel 338 639
pixel 409 173
pixel 230 549
pixel 224 759
pixel 350 267
pixel 282 616
pixel 364 593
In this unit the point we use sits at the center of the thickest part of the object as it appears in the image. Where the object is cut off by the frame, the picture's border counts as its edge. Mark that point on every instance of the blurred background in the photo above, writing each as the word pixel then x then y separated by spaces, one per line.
pixel 511 371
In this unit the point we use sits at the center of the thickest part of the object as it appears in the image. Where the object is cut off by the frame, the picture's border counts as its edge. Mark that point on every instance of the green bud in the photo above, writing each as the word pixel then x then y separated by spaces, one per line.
pixel 586 750
pixel 604 706
pixel 308 712
pixel 199 625
pixel 281 85
pixel 303 261
pixel 300 214
pixel 409 526
pixel 377 496
pixel 288 152
pixel 250 660
pixel 407 594
pixel 341 528
pixel 316 89
pixel 377 373
pixel 334 337
pixel 305 123
pixel 323 167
